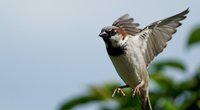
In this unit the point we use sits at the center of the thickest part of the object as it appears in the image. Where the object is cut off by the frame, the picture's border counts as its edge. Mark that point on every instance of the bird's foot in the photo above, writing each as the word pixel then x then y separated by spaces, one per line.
pixel 137 88
pixel 120 90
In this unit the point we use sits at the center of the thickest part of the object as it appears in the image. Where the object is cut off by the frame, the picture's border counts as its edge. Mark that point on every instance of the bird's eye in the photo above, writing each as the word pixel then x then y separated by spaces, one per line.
pixel 112 32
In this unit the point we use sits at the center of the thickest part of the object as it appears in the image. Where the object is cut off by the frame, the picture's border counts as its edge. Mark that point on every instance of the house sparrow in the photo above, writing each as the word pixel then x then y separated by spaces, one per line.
pixel 132 49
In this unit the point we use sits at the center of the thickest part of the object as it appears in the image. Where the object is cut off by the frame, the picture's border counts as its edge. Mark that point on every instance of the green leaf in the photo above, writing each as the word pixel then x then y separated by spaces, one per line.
pixel 169 63
pixel 169 105
pixel 194 37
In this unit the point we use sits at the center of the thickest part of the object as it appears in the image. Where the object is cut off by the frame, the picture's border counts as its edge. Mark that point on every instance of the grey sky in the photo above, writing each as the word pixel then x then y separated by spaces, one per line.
pixel 50 50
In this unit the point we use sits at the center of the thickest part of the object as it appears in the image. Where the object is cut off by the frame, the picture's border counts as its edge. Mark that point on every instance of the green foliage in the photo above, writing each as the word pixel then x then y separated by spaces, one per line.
pixel 194 37
pixel 169 63
pixel 167 95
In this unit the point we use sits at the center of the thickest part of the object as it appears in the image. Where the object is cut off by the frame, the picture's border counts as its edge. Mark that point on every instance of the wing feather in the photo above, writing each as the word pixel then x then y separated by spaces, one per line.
pixel 127 25
pixel 158 33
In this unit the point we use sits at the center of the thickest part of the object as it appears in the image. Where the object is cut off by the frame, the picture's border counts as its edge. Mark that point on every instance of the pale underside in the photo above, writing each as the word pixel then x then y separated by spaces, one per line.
pixel 131 66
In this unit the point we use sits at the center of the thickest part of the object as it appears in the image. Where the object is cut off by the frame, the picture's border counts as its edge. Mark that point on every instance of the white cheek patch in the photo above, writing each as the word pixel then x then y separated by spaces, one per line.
pixel 118 40
pixel 115 40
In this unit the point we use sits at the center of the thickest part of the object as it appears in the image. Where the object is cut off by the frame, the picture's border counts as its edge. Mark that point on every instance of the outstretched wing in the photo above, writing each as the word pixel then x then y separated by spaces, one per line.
pixel 155 36
pixel 127 25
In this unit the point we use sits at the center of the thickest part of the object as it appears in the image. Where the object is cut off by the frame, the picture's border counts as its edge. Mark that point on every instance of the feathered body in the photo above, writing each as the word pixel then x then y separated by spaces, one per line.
pixel 131 49
pixel 129 62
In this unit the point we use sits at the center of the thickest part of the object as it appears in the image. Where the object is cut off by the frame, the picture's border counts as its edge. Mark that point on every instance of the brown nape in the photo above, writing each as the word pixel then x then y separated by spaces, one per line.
pixel 123 33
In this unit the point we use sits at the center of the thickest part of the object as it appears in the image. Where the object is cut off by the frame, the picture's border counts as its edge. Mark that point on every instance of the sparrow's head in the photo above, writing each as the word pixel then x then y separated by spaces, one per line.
pixel 113 36
pixel 117 34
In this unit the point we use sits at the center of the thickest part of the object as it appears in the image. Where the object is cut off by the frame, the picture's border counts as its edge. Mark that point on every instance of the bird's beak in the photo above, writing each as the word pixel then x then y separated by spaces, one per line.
pixel 103 34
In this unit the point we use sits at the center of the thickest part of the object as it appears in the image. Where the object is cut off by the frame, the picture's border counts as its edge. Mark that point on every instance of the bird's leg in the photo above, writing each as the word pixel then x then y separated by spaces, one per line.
pixel 137 88
pixel 120 90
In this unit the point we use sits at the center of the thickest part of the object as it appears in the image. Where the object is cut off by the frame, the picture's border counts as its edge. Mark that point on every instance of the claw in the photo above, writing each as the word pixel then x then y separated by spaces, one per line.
pixel 120 90
pixel 137 88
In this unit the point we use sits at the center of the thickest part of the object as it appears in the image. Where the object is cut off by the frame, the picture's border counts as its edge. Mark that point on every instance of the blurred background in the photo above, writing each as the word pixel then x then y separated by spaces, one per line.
pixel 51 57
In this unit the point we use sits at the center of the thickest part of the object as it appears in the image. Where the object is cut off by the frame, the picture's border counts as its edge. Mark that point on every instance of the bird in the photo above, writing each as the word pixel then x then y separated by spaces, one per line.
pixel 131 50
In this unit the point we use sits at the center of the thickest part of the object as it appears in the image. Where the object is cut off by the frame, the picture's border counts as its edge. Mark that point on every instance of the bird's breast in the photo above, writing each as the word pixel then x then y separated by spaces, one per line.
pixel 128 68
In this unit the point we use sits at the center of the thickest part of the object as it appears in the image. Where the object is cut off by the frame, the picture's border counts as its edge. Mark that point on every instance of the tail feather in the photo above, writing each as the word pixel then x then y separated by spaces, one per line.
pixel 145 101
pixel 146 105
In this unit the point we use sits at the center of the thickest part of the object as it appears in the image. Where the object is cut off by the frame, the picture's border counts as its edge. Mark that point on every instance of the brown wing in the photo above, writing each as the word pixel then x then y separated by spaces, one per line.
pixel 127 25
pixel 156 35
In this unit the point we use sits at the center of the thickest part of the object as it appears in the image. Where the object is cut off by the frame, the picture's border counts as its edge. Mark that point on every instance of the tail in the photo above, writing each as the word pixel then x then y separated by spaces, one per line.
pixel 145 101
pixel 146 105
pixel 144 93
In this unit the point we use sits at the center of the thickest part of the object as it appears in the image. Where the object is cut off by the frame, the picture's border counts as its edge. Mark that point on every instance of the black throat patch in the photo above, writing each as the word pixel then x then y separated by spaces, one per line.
pixel 114 51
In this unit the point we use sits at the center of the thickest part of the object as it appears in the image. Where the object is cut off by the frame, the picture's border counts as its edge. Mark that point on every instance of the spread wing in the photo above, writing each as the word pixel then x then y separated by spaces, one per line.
pixel 127 25
pixel 156 35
